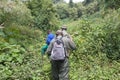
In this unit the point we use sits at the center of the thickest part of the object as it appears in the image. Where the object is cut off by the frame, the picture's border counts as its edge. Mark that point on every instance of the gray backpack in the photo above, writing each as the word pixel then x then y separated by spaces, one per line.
pixel 58 51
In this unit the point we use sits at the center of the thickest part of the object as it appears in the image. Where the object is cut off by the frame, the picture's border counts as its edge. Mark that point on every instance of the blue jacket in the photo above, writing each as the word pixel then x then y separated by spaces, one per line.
pixel 49 38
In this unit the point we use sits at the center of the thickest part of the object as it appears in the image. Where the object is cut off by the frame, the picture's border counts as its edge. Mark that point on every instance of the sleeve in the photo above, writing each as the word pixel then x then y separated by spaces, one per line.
pixel 47 40
pixel 49 49
pixel 72 44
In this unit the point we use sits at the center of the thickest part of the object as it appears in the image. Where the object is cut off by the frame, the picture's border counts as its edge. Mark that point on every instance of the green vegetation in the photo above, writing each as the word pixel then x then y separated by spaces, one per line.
pixel 93 24
pixel 44 14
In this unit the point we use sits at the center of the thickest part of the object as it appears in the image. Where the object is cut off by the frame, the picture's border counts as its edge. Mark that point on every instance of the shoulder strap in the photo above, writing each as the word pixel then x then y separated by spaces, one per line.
pixel 63 46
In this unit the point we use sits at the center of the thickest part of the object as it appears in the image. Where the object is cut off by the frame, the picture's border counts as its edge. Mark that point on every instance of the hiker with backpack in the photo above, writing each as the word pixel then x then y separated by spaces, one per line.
pixel 58 52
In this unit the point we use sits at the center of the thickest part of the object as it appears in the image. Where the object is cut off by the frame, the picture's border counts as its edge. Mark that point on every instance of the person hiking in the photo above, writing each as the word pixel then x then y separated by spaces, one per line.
pixel 64 31
pixel 59 60
pixel 49 37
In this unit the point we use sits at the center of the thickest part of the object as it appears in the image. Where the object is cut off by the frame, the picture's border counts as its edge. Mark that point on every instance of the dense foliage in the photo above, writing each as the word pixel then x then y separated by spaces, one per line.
pixel 73 11
pixel 94 26
pixel 12 12
pixel 114 4
pixel 101 34
pixel 44 15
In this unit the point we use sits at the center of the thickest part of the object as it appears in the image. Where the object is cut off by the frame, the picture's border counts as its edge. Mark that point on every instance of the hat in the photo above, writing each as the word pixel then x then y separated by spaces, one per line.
pixel 64 27
pixel 58 32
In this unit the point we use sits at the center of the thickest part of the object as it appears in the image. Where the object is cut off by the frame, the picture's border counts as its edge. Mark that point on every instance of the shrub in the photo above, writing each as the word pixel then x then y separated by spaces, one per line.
pixel 14 12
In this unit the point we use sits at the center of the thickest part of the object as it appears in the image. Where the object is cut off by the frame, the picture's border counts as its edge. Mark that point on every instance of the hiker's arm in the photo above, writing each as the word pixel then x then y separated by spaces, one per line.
pixel 72 45
pixel 49 49
pixel 70 37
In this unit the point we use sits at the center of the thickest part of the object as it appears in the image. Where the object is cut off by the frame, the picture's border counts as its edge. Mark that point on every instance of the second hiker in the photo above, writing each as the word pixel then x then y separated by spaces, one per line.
pixel 58 52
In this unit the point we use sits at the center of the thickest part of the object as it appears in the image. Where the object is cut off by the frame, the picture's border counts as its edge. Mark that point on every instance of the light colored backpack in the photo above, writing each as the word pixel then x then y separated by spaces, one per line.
pixel 58 51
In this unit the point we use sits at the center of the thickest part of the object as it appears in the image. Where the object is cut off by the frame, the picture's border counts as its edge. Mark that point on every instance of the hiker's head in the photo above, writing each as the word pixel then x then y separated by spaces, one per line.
pixel 64 27
pixel 59 32
pixel 48 32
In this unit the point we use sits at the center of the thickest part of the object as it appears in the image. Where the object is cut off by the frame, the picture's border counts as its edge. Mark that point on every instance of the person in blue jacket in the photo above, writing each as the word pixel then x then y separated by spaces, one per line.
pixel 50 36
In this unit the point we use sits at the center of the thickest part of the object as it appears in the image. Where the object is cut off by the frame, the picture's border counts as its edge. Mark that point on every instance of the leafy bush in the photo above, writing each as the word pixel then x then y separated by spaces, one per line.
pixel 92 60
pixel 112 38
pixel 22 35
pixel 98 35
pixel 20 53
pixel 113 4
pixel 62 11
pixel 14 12
pixel 44 14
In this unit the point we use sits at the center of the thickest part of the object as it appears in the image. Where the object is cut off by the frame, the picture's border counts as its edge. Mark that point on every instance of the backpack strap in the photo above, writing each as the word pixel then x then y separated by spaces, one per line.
pixel 64 47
